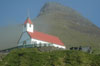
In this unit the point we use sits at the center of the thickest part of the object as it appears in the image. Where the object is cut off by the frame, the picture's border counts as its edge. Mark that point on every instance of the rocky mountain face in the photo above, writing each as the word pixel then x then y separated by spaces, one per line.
pixel 61 13
pixel 64 22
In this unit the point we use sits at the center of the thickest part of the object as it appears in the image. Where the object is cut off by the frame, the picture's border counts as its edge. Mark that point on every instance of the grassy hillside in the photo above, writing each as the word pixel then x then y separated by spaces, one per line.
pixel 33 57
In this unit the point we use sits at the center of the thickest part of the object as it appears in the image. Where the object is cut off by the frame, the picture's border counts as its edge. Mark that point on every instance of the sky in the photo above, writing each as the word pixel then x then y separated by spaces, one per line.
pixel 16 11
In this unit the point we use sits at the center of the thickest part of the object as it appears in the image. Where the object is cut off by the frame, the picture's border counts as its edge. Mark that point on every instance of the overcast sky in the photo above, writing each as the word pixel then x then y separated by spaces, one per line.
pixel 15 11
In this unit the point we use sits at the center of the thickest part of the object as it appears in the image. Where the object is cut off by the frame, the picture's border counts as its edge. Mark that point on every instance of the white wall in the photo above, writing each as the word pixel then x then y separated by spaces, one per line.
pixel 28 28
pixel 59 46
pixel 24 37
pixel 38 41
pixel 43 42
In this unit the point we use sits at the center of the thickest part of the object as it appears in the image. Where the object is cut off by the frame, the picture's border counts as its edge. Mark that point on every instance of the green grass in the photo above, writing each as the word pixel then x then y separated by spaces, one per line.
pixel 33 57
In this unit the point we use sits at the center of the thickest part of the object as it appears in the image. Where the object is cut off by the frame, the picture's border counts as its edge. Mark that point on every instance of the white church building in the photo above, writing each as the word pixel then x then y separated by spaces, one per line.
pixel 31 38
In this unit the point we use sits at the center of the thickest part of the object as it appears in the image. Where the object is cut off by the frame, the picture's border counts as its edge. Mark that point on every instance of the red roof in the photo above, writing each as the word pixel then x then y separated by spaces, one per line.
pixel 28 21
pixel 45 37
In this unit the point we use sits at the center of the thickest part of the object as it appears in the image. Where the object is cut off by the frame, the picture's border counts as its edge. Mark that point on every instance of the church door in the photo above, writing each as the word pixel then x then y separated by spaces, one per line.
pixel 24 43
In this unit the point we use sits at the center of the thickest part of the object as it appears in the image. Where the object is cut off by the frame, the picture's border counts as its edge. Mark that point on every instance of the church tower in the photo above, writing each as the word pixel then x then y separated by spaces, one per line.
pixel 28 26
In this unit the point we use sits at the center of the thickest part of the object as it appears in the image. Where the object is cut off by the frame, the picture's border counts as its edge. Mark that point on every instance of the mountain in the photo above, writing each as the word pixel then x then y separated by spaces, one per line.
pixel 59 20
pixel 70 26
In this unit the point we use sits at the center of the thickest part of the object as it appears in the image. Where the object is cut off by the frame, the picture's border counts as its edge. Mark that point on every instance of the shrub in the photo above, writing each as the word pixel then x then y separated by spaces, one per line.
pixel 33 57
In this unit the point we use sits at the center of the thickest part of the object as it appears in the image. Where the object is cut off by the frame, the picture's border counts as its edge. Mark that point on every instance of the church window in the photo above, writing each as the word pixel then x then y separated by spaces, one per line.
pixel 35 42
pixel 40 44
pixel 35 45
pixel 45 44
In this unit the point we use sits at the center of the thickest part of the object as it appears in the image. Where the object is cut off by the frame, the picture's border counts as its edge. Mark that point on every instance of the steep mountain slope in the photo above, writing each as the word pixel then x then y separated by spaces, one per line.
pixel 64 22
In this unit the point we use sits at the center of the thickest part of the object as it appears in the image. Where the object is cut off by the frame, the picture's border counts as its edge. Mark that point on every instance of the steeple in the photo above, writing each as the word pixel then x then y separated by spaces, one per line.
pixel 28 26
pixel 28 21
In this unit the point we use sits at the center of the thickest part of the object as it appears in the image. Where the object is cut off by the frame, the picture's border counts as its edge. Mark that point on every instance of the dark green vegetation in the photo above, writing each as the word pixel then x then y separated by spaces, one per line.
pixel 55 19
pixel 33 57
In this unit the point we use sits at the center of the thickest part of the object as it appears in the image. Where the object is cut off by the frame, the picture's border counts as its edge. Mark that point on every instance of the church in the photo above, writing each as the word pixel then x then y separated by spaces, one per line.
pixel 32 38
